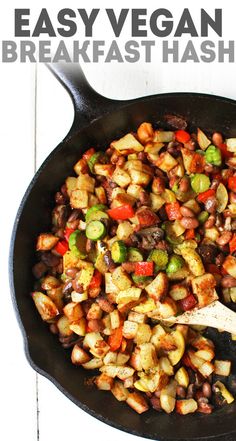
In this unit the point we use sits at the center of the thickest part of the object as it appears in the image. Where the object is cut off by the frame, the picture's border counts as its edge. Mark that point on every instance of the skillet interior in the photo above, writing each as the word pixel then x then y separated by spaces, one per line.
pixel 43 350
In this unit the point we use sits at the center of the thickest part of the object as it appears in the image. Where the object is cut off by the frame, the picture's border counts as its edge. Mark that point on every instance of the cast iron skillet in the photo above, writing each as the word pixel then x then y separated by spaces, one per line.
pixel 99 120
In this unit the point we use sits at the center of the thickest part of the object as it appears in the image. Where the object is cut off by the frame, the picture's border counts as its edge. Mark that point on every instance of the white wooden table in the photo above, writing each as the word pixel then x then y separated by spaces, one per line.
pixel 36 114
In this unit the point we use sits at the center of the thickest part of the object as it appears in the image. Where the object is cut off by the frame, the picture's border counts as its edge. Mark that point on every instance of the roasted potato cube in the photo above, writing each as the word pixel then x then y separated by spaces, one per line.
pixel 166 162
pixel 146 306
pixel 176 354
pixel 110 287
pixel 81 166
pixel 137 402
pixel 79 355
pixel 136 317
pixel 119 391
pixel 206 354
pixel 158 333
pixel 71 184
pixel 164 309
pixel 101 195
pixel 80 327
pixel 134 190
pixel 156 201
pixel 73 311
pixel 222 367
pixel 224 392
pixel 121 279
pixel 129 295
pixel 45 306
pixel 46 241
pixel 110 358
pixel 135 360
pixel 186 406
pixel 79 199
pixel 63 325
pixel 115 319
pixel 158 288
pixel 127 142
pixel 79 297
pixel 201 342
pixel 166 366
pixel 130 329
pixel 230 265
pixel 85 182
pixel 56 296
pixel 94 363
pixel 124 230
pixel 121 177
pixel 104 382
pixel 143 334
pixel 204 288
pixel 193 260
pixel 122 359
pixel 148 356
pixel 182 377
pixel 104 169
pixel 202 139
pixel 50 282
pixel 167 397
pixel 98 347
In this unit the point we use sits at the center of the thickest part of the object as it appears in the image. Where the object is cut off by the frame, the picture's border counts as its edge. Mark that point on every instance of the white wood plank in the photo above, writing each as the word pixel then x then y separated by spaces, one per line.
pixel 17 379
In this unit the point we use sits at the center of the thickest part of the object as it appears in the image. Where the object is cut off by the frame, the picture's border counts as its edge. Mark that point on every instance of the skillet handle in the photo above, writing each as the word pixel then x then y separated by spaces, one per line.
pixel 88 104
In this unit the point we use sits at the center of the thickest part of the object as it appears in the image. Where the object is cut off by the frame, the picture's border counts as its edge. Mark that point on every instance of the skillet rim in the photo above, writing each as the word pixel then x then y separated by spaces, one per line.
pixel 121 105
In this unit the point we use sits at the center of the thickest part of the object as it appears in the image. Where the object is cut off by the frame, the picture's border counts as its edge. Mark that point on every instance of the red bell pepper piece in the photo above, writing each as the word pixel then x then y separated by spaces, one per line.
pixel 225 153
pixel 232 244
pixel 147 217
pixel 188 303
pixel 182 136
pixel 68 231
pixel 96 280
pixel 202 197
pixel 61 247
pixel 121 213
pixel 115 339
pixel 173 210
pixel 212 268
pixel 189 234
pixel 144 268
pixel 232 183
pixel 87 155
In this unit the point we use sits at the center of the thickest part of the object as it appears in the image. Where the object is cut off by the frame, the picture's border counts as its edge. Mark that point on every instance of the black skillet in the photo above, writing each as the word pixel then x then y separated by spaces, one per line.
pixel 99 120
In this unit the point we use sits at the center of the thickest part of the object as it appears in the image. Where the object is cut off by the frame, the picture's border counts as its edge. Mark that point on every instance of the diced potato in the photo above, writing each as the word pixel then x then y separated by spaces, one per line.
pixel 92 200
pixel 80 327
pixel 45 306
pixel 127 142
pixel 121 280
pixel 222 367
pixel 139 177
pixel 187 156
pixel 156 201
pixel 115 319
pixel 122 199
pixel 110 358
pixel 182 377
pixel 135 359
pixel 163 136
pixel 129 295
pixel 224 392
pixel 110 287
pixel 178 353
pixel 152 382
pixel 201 342
pixel 136 317
pixel 119 391
pixel 81 166
pixel 232 293
pixel 195 360
pixel 143 334
pixel 231 144
pixel 158 288
pixel 178 292
pixel 79 297
pixel 221 197
pixel 164 309
pixel 184 330
pixel 85 182
pixel 168 196
pixel 104 382
pixel 124 372
pixel 56 296
pixel 71 184
pixel 70 261
pixel 46 241
pixel 153 148
pixel 130 329
pixel 206 354
pixel 193 260
pixel 146 306
pixel 94 312
pixel 63 326
pixel 124 230
pixel 137 402
pixel 101 195
pixel 79 356
pixel 206 369
pixel 104 169
pixel 98 346
pixel 148 356
pixel 94 363
pixel 202 139
pixel 50 282
pixel 122 358
pixel 79 199
pixel 166 366
pixel 166 162
pixel 158 333
pixel 121 177
pixel 204 288
pixel 134 190
pixel 230 265
pixel 186 406
pixel 73 311
pixel 167 397
pixel 212 233
pixel 86 275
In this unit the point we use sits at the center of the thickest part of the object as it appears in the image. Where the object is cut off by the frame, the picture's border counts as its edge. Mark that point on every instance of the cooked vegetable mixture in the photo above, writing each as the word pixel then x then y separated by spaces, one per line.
pixel 144 231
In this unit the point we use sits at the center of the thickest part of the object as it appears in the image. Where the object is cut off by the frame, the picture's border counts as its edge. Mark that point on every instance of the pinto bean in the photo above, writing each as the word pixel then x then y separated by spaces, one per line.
pixel 184 184
pixel 105 305
pixel 39 269
pixel 142 157
pixel 129 267
pixel 95 325
pixel 144 198
pixel 186 212
pixel 210 221
pixel 114 157
pixel 76 214
pixel 205 408
pixel 233 225
pixel 177 122
pixel 228 282
pixel 224 238
pixel 215 184
pixel 220 259
pixel 209 168
pixel 156 403
pixel 50 259
pixel 60 199
pixel 206 389
pixel 158 185
pixel 190 145
pixel 181 392
pixel 53 328
pixel 78 287
pixel 211 204
pixel 189 222
pixel 191 391
pixel 232 197
pixel 121 161
pixel 71 272
pixel 217 139
pixel 67 288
